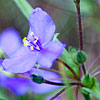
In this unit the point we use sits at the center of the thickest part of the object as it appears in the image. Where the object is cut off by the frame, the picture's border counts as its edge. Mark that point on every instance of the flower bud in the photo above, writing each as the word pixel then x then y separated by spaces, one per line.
pixel 37 78
pixel 88 81
pixel 81 57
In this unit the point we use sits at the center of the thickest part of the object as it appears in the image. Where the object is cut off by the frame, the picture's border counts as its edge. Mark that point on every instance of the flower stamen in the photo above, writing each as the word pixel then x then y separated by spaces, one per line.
pixel 31 33
pixel 33 44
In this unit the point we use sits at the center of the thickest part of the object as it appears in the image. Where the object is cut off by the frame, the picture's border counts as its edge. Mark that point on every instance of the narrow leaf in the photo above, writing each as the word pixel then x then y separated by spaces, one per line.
pixel 25 7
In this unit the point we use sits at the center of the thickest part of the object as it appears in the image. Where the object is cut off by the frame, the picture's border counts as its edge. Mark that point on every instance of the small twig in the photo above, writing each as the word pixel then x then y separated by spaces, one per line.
pixel 75 75
pixel 58 94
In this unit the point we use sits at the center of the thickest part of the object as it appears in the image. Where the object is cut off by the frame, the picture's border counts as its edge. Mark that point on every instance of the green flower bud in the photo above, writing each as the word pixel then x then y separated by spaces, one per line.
pixel 88 81
pixel 81 57
pixel 37 78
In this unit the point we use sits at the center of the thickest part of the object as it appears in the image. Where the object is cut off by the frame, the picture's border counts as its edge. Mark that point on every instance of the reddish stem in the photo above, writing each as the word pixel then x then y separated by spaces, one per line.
pixel 75 75
pixel 58 94
pixel 79 26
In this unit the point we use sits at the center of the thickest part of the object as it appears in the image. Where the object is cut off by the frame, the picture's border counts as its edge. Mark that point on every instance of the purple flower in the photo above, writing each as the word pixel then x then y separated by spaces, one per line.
pixel 99 2
pixel 10 41
pixel 44 88
pixel 38 47
pixel 1 60
pixel 20 86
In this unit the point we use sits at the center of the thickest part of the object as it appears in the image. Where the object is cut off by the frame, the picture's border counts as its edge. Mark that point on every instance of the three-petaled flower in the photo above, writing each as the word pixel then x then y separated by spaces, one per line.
pixel 38 47
pixel 19 84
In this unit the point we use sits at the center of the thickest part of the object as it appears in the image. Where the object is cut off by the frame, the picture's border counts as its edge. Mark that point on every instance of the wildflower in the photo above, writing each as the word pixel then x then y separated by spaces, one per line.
pixel 10 41
pixel 38 47
pixel 22 83
pixel 18 86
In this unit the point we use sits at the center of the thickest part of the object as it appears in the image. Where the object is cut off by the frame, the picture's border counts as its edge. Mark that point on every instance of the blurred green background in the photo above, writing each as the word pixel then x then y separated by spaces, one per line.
pixel 63 12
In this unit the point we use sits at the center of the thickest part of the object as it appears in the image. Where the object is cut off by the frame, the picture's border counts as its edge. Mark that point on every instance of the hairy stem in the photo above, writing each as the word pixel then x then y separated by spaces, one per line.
pixel 79 24
pixel 62 84
pixel 84 70
pixel 77 3
pixel 75 75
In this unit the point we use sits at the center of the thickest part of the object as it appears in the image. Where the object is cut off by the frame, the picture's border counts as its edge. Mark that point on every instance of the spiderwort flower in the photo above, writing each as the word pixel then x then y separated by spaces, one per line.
pixel 10 41
pixel 38 47
pixel 19 86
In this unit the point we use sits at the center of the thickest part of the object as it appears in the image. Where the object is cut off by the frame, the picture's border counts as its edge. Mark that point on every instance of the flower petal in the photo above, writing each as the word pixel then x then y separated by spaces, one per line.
pixel 42 25
pixel 1 60
pixel 44 88
pixel 10 41
pixel 22 61
pixel 2 79
pixel 49 53
pixel 18 86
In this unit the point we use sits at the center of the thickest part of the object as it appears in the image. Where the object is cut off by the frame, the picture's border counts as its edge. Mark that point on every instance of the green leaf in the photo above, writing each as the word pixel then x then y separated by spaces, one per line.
pixel 95 90
pixel 68 59
pixel 25 7
pixel 73 54
pixel 88 81
pixel 86 96
pixel 2 54
pixel 3 99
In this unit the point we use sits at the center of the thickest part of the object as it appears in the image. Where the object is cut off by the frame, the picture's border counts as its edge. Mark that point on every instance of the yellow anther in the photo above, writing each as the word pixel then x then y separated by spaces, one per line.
pixel 36 38
pixel 25 38
pixel 25 44
pixel 35 41
pixel 32 33
pixel 31 47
